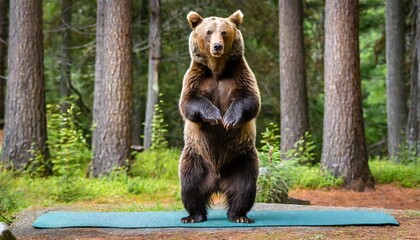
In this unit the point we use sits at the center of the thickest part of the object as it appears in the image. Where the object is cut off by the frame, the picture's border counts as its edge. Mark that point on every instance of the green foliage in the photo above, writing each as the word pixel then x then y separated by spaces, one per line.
pixel 303 151
pixel 8 198
pixel 69 151
pixel 68 148
pixel 153 171
pixel 281 171
pixel 373 73
pixel 313 29
pixel 407 154
pixel 314 177
pixel 38 165
pixel 272 186
pixel 156 164
pixel 159 129
pixel 385 171
pixel 138 185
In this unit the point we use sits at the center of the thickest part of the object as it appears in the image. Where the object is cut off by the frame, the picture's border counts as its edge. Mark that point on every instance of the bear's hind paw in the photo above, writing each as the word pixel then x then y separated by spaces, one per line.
pixel 194 219
pixel 243 219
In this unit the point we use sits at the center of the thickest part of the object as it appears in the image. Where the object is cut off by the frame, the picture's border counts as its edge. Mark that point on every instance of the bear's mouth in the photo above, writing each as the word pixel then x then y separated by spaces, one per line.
pixel 216 54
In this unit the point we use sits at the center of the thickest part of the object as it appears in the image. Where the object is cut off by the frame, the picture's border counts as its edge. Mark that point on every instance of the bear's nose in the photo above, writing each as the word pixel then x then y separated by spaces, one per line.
pixel 218 46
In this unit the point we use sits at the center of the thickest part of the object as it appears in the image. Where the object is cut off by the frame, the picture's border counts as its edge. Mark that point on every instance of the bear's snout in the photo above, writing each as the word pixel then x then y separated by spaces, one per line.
pixel 218 47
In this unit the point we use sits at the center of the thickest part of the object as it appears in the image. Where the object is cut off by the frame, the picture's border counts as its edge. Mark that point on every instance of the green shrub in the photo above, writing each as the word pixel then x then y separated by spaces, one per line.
pixel 272 186
pixel 385 171
pixel 159 129
pixel 69 151
pixel 39 165
pixel 8 198
pixel 281 171
pixel 313 177
pixel 303 152
pixel 157 163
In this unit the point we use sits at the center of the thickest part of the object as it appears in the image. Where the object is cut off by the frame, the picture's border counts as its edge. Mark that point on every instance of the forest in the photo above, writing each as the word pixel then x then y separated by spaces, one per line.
pixel 89 95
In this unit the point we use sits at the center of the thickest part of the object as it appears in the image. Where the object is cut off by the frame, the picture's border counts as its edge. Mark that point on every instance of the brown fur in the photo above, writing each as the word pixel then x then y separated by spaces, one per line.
pixel 219 102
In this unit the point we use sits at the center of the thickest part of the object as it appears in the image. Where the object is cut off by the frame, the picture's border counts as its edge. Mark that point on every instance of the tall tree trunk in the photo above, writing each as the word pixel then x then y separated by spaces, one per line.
pixel 3 56
pixel 344 149
pixel 395 91
pixel 114 122
pixel 413 129
pixel 293 95
pixel 25 129
pixel 154 58
pixel 98 92
pixel 65 77
pixel 413 125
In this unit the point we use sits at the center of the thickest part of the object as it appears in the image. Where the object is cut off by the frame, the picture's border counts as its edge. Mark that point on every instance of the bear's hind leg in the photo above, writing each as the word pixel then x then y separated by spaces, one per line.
pixel 239 183
pixel 197 186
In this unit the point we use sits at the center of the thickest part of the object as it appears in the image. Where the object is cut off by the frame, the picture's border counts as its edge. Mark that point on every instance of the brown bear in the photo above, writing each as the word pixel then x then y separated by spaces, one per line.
pixel 219 103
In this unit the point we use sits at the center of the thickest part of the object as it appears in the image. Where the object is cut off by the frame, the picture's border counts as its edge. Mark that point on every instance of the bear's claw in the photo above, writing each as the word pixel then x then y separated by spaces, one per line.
pixel 212 117
pixel 230 123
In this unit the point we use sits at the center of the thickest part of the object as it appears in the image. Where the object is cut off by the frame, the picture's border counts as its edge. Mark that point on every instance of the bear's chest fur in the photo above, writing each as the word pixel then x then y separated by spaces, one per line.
pixel 221 92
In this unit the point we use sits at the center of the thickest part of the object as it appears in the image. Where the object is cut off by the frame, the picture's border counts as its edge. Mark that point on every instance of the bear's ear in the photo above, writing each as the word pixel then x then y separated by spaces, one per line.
pixel 194 19
pixel 236 17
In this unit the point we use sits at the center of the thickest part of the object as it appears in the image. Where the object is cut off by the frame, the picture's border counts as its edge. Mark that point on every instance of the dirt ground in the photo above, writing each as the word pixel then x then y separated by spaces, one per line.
pixel 387 196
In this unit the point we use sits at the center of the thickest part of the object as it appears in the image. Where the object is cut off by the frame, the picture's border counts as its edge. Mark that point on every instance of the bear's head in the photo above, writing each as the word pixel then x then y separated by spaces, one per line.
pixel 215 36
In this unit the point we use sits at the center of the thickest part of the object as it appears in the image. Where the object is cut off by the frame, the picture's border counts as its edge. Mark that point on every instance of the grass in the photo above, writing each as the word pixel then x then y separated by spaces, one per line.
pixel 405 175
pixel 313 177
pixel 383 171
pixel 120 191
pixel 26 192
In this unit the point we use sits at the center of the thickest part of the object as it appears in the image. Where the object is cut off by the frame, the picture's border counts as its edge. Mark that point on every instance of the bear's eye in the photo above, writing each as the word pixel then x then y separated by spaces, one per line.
pixel 208 32
pixel 224 33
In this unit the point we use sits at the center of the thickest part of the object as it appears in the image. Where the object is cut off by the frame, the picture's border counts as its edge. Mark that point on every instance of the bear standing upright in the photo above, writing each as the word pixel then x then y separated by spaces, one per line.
pixel 219 103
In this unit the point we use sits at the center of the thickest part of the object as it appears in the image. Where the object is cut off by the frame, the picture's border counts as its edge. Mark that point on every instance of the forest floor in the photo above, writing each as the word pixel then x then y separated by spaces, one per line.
pixel 389 196
pixel 402 203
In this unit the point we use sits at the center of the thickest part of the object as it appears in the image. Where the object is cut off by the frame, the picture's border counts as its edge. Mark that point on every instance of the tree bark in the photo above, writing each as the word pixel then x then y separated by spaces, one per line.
pixel 114 122
pixel 344 149
pixel 413 128
pixel 413 125
pixel 3 56
pixel 395 91
pixel 25 129
pixel 293 95
pixel 98 92
pixel 65 65
pixel 154 58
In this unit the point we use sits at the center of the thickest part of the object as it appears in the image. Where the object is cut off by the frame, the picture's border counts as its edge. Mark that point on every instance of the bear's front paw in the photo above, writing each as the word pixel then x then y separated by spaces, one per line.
pixel 213 117
pixel 230 121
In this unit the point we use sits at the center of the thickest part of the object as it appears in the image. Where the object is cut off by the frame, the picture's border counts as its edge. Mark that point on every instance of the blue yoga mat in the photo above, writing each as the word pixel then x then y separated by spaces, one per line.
pixel 216 219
